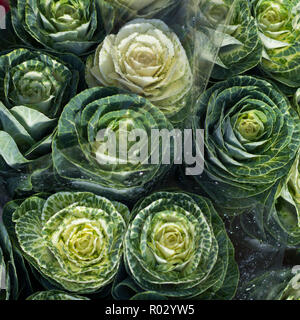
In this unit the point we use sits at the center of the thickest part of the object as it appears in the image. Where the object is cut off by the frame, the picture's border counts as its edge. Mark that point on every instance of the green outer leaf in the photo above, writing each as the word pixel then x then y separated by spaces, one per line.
pixel 7 263
pixel 148 295
pixel 296 101
pixel 267 286
pixel 284 220
pixel 10 152
pixel 55 295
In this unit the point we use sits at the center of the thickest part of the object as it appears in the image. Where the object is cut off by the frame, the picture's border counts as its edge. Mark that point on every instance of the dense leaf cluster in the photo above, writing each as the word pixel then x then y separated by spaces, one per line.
pixel 80 227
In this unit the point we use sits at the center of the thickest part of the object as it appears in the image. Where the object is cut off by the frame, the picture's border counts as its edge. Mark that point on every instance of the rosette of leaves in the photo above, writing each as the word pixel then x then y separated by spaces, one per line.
pixel 83 158
pixel 72 26
pixel 234 32
pixel 252 136
pixel 117 12
pixel 176 246
pixel 279 28
pixel 284 221
pixel 34 87
pixel 14 279
pixel 55 295
pixel 273 285
pixel 143 57
pixel 72 240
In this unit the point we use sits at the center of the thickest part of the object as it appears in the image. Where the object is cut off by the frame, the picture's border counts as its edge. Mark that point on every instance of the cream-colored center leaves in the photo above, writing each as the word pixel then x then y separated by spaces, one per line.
pixel 80 242
pixel 147 58
pixel 172 241
pixel 251 124
pixel 33 84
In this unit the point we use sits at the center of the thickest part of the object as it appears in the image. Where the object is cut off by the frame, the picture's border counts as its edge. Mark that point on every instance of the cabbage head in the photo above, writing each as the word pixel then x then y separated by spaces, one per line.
pixel 84 161
pixel 252 136
pixel 34 87
pixel 143 57
pixel 72 240
pixel 279 27
pixel 236 35
pixel 72 26
pixel 176 246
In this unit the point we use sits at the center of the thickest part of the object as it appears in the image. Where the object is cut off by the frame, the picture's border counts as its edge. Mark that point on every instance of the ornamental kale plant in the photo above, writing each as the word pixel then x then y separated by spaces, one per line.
pixel 143 57
pixel 84 161
pixel 279 28
pixel 252 136
pixel 240 45
pixel 34 87
pixel 72 26
pixel 176 246
pixel 72 240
